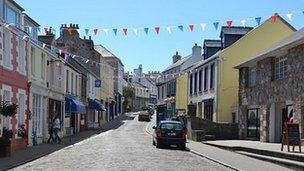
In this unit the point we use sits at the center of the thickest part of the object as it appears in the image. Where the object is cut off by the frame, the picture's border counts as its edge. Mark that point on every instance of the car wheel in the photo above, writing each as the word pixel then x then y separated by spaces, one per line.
pixel 158 145
pixel 182 146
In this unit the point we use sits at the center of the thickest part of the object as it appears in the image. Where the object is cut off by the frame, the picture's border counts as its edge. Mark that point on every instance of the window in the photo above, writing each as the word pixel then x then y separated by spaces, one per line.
pixel 212 75
pixel 76 82
pixel 191 84
pixel 12 16
pixel 200 75
pixel 72 83
pixel 32 61
pixel 21 56
pixel 67 81
pixel 252 77
pixel 6 98
pixel 195 83
pixel 280 69
pixel 163 89
pixel 21 110
pixel 158 92
pixel 206 79
pixel 7 49
pixel 42 66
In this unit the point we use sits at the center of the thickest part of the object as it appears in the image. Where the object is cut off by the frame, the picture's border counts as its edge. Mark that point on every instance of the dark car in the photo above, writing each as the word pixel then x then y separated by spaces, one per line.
pixel 144 116
pixel 170 133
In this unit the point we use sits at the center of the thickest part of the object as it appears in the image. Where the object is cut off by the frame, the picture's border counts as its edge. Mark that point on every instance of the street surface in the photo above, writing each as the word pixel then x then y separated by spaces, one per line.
pixel 128 147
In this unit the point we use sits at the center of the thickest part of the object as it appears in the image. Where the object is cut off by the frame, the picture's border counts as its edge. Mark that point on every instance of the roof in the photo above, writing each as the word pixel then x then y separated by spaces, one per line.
pixel 235 30
pixel 290 41
pixel 212 43
pixel 106 53
pixel 16 5
pixel 31 20
pixel 202 62
pixel 138 84
pixel 178 63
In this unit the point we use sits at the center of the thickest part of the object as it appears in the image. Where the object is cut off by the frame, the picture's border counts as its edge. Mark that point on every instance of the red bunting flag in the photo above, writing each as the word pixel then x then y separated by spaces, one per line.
pixel 95 31
pixel 229 23
pixel 274 17
pixel 125 30
pixel 191 27
pixel 46 30
pixel 70 31
pixel 157 29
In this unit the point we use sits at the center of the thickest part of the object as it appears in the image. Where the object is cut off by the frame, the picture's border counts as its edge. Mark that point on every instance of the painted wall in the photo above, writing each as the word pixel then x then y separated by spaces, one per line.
pixel 182 92
pixel 255 41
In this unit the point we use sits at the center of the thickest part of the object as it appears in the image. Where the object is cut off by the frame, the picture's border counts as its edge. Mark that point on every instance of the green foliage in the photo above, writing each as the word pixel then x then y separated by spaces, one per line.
pixel 129 95
pixel 7 109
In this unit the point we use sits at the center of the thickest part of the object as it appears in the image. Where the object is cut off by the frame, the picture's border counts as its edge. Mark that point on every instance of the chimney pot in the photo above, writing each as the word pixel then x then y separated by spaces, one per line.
pixel 71 25
pixel 89 37
pixel 77 26
pixel 176 52
pixel 65 25
pixel 195 44
pixel 84 37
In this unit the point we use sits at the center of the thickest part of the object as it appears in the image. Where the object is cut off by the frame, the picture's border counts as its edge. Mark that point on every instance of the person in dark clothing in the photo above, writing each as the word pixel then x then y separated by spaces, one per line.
pixel 51 132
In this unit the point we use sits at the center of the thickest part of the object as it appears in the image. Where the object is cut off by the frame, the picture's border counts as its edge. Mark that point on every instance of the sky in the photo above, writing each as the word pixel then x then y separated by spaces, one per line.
pixel 154 51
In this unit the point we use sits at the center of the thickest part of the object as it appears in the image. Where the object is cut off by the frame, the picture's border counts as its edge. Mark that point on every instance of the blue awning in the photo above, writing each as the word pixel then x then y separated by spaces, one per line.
pixel 94 104
pixel 74 105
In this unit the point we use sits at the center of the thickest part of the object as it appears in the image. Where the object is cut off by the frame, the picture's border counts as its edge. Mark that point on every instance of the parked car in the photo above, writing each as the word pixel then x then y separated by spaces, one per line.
pixel 170 133
pixel 144 116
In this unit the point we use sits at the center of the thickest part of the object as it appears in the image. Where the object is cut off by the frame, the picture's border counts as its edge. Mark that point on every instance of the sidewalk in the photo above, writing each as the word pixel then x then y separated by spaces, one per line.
pixel 31 153
pixel 231 159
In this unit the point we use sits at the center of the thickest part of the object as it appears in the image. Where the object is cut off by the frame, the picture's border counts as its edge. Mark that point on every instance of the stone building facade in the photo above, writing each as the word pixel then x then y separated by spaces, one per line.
pixel 271 90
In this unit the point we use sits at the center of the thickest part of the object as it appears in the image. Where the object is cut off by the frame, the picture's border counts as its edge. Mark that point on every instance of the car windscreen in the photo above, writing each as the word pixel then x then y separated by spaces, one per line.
pixel 170 126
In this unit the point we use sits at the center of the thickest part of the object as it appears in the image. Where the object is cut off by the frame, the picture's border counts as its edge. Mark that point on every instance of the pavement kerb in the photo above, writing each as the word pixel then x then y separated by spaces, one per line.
pixel 214 160
pixel 199 154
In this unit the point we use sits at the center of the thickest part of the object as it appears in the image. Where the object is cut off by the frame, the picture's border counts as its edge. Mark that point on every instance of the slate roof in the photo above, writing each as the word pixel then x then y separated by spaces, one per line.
pixel 235 30
pixel 178 63
pixel 290 41
pixel 212 43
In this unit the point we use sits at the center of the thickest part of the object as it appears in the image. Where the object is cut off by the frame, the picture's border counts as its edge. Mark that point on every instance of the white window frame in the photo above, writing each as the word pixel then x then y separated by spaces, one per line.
pixel 7 55
pixel 280 67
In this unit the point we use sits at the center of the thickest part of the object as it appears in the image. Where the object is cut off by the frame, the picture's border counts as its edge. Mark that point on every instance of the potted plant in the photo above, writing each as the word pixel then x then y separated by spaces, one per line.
pixel 7 110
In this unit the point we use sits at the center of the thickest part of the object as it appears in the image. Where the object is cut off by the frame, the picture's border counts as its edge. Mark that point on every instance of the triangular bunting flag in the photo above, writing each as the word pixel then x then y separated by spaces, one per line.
pixel 169 30
pixel 203 25
pixel 191 27
pixel 274 17
pixel 157 29
pixel 87 61
pixel 60 51
pixel 115 31
pixel 74 56
pixel 43 45
pixel 229 23
pixel 243 22
pixel 216 24
pixel 258 20
pixel 86 31
pixel 146 30
pixel 289 16
pixel 95 31
pixel 135 31
pixel 106 31
pixel 181 27
pixel 125 30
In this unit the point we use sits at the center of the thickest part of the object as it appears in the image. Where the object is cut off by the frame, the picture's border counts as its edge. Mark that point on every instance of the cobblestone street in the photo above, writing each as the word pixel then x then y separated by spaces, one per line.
pixel 128 147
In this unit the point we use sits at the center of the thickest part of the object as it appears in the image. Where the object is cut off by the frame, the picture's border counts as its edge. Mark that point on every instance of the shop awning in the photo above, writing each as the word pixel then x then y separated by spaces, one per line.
pixel 94 104
pixel 73 105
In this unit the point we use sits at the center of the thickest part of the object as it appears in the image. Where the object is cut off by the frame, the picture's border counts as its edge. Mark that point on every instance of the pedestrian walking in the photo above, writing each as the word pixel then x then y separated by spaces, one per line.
pixel 51 132
pixel 56 125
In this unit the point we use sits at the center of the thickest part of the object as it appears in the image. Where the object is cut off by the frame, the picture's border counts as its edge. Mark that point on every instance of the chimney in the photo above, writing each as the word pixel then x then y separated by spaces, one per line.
pixel 196 50
pixel 176 57
pixel 84 37
pixel 90 37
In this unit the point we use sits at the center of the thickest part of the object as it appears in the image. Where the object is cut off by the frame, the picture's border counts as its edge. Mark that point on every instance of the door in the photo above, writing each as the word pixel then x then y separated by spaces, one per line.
pixel 253 124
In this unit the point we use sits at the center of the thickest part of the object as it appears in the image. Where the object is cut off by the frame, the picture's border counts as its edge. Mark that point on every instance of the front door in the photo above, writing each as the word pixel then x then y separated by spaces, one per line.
pixel 253 124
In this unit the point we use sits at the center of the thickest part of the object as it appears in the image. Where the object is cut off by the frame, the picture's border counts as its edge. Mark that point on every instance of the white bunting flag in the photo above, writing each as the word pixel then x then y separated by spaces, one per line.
pixel 135 31
pixel 106 31
pixel 169 30
pixel 243 23
pixel 60 51
pixel 43 45
pixel 203 25
pixel 73 56
pixel 289 16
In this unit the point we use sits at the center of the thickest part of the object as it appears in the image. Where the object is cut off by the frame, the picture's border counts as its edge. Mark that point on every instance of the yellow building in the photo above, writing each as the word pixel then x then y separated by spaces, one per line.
pixel 218 78
pixel 181 93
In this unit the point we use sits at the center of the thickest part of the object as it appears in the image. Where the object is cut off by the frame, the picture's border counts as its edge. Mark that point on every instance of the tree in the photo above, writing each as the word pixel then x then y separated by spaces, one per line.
pixel 129 95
